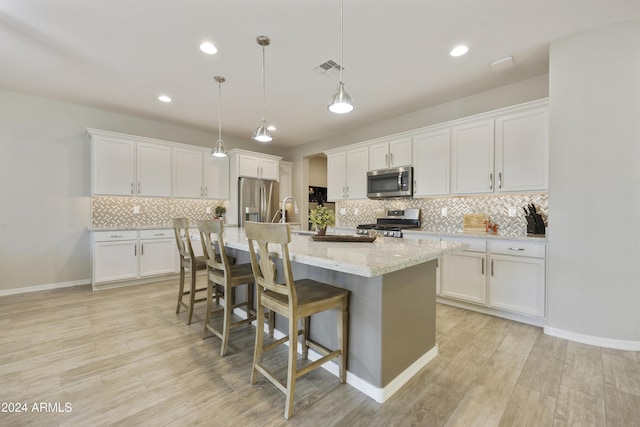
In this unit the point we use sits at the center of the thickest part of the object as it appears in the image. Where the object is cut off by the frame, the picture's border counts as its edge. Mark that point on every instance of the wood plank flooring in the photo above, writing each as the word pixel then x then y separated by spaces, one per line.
pixel 122 357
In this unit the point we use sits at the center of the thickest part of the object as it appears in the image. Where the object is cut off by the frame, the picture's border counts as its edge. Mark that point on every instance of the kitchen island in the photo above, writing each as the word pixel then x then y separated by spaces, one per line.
pixel 392 304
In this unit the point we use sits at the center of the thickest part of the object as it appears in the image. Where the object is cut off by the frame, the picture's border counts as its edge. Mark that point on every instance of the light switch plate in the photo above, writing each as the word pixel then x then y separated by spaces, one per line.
pixel 136 209
pixel 444 211
pixel 343 211
pixel 512 211
pixel 207 209
pixel 356 211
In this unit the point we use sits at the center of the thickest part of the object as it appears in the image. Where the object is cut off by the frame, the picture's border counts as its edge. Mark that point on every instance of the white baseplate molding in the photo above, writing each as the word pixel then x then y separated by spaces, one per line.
pixel 45 287
pixel 591 340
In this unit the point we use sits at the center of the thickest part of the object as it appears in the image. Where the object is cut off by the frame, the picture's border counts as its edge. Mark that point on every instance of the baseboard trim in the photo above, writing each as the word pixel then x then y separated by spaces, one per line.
pixel 379 394
pixel 591 340
pixel 45 287
pixel 523 318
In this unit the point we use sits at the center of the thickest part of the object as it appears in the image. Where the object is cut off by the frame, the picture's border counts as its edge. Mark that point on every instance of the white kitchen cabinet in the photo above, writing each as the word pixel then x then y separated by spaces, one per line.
pixel 153 170
pixel 254 166
pixel 472 157
pixel 157 252
pixel 431 160
pixel 113 165
pixel 390 154
pixel 129 257
pixel 522 150
pixel 464 274
pixel 517 277
pixel 200 175
pixel 126 165
pixel 347 174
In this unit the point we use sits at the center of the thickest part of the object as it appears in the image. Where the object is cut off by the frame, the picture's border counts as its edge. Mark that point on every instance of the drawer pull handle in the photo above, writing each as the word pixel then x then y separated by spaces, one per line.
pixel 115 236
pixel 516 249
pixel 158 234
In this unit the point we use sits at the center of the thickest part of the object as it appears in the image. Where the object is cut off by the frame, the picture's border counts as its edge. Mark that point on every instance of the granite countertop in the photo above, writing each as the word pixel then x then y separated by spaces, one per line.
pixel 542 239
pixel 384 255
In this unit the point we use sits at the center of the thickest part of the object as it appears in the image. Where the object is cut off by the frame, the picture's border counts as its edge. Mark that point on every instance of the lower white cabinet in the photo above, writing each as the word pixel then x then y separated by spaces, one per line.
pixel 127 256
pixel 517 277
pixel 464 273
pixel 498 276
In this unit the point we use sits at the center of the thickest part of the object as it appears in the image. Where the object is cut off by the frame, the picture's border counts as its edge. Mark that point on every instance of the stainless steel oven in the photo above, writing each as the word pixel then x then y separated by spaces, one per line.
pixel 384 183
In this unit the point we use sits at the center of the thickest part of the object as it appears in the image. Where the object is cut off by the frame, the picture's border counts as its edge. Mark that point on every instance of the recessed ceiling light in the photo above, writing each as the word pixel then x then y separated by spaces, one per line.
pixel 271 128
pixel 208 48
pixel 459 50
pixel 164 98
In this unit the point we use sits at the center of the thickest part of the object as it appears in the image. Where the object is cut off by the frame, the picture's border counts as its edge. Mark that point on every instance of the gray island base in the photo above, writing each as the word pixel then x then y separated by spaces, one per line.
pixel 392 304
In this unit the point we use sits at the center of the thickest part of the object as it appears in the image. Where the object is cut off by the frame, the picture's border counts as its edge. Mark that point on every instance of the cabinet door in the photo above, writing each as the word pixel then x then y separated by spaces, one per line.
pixel 464 277
pixel 115 260
pixel 154 170
pixel 517 284
pixel 187 170
pixel 522 151
pixel 216 177
pixel 336 176
pixel 472 158
pixel 400 152
pixel 269 169
pixel 157 256
pixel 431 163
pixel 248 166
pixel 379 156
pixel 357 163
pixel 113 166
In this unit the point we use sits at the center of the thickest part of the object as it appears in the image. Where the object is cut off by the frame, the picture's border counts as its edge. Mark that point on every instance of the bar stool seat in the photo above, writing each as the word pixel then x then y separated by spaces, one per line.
pixel 295 300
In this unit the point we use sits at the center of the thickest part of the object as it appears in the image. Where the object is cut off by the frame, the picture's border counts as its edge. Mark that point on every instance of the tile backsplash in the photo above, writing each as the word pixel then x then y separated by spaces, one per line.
pixel 109 211
pixel 431 218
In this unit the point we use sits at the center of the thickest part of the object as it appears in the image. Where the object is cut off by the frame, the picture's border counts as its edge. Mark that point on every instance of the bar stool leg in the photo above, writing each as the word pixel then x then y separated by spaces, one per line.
pixel 181 290
pixel 192 294
pixel 291 375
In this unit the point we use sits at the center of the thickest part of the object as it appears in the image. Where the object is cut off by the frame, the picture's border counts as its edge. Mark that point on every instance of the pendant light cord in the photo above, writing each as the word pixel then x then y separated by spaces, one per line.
pixel 219 111
pixel 341 38
pixel 264 91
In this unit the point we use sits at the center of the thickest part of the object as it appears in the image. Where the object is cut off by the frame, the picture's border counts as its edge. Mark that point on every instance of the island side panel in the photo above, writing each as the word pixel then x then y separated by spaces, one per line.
pixel 408 317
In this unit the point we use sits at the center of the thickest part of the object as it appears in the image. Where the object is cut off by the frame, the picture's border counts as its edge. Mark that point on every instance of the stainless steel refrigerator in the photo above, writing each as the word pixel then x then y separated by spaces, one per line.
pixel 257 200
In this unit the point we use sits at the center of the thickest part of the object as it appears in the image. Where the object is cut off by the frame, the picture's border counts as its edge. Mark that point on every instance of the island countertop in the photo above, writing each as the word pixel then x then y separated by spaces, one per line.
pixel 384 255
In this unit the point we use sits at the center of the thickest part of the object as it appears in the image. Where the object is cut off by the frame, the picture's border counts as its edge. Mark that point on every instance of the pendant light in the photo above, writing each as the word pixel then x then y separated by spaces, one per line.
pixel 219 150
pixel 262 133
pixel 341 102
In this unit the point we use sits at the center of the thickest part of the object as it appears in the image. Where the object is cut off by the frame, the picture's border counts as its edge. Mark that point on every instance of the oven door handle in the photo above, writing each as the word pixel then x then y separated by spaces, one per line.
pixel 400 181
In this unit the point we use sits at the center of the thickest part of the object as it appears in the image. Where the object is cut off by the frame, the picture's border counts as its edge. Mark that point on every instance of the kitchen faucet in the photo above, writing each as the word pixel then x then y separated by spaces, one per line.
pixel 283 219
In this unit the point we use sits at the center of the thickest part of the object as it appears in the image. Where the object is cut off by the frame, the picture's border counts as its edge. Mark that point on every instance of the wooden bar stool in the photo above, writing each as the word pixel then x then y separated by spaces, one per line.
pixel 223 275
pixel 190 262
pixel 295 300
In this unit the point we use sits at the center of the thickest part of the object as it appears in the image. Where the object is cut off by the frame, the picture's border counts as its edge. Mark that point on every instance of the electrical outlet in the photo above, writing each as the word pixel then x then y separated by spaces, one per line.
pixel 136 209
pixel 444 212
pixel 207 209
pixel 343 211
pixel 356 211
pixel 512 211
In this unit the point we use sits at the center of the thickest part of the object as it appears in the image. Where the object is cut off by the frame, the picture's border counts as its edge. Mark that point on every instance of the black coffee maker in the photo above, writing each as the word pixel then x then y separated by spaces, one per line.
pixel 535 223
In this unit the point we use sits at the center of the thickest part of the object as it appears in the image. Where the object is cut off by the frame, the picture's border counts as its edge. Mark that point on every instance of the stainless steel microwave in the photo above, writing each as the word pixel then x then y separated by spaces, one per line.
pixel 396 182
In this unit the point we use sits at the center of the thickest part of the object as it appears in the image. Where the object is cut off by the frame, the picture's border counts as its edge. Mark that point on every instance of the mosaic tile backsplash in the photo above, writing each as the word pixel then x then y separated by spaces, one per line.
pixel 496 206
pixel 110 212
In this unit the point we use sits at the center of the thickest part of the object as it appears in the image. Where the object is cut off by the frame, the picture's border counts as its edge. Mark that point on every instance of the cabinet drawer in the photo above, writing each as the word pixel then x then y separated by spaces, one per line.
pixel 114 236
pixel 157 234
pixel 515 248
pixel 475 245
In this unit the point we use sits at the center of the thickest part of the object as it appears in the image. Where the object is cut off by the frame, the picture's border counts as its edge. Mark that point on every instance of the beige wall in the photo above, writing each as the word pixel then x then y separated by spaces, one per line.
pixel 318 171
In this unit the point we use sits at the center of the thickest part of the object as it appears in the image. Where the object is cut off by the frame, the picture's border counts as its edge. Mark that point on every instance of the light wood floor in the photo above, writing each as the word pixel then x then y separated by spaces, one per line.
pixel 123 357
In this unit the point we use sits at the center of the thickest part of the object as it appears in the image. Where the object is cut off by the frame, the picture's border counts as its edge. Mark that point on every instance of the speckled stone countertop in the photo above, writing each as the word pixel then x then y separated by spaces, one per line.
pixel 384 255
pixel 541 239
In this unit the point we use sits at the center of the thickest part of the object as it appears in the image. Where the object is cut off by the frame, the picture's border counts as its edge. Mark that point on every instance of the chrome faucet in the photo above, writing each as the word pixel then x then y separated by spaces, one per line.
pixel 283 219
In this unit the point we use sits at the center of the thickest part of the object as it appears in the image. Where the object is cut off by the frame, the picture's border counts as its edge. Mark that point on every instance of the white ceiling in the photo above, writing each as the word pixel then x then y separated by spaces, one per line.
pixel 121 54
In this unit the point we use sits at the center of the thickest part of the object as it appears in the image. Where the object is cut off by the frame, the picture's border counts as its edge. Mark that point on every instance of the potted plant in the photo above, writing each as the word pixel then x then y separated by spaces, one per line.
pixel 219 211
pixel 322 218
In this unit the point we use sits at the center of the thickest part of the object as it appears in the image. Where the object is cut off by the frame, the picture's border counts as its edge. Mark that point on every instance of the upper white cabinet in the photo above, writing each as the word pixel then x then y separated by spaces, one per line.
pixel 522 150
pixel 153 170
pixel 255 165
pixel 390 154
pixel 431 160
pixel 199 175
pixel 123 165
pixel 347 174
pixel 472 157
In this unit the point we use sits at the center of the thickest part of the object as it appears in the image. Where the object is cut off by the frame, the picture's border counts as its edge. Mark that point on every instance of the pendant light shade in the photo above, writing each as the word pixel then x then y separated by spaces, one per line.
pixel 262 134
pixel 341 102
pixel 219 150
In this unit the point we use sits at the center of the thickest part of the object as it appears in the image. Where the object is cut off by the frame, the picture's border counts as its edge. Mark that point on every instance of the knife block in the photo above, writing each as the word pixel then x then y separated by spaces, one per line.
pixel 535 224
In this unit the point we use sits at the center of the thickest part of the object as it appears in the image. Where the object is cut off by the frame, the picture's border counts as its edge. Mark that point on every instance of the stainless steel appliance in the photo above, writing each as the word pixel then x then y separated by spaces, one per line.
pixel 384 183
pixel 393 224
pixel 257 200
